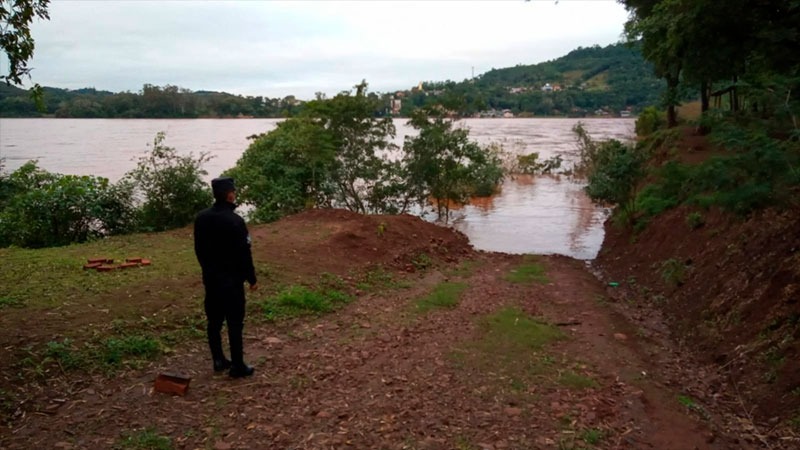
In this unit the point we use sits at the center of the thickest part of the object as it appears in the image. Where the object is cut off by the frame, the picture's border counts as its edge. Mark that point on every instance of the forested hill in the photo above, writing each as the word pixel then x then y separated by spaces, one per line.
pixel 587 81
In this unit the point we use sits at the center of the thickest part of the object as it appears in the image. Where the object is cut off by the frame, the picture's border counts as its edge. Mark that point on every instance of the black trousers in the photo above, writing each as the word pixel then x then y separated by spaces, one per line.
pixel 225 302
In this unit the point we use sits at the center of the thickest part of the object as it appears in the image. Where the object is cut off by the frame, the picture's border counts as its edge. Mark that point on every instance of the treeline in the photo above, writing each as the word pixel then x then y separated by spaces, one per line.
pixel 586 80
pixel 739 54
pixel 151 102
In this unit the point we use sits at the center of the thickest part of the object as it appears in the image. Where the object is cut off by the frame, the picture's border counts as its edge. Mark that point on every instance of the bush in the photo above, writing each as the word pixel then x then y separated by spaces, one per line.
pixel 285 170
pixel 649 120
pixel 169 186
pixel 43 209
pixel 617 169
pixel 443 164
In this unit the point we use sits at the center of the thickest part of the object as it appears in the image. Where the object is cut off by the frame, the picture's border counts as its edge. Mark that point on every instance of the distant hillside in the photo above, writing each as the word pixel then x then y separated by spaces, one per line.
pixel 586 80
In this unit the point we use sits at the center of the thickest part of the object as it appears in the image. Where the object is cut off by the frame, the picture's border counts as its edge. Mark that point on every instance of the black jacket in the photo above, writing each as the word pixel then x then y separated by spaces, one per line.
pixel 222 246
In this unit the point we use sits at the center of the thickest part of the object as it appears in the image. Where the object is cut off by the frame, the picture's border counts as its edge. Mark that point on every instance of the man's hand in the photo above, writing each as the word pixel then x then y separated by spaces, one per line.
pixel 254 287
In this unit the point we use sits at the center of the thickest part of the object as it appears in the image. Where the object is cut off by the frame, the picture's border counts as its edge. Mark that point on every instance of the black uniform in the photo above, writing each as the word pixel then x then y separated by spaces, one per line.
pixel 222 246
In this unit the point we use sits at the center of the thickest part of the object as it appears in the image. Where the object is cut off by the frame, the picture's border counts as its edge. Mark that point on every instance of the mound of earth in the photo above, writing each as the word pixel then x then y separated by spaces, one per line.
pixel 730 291
pixel 339 241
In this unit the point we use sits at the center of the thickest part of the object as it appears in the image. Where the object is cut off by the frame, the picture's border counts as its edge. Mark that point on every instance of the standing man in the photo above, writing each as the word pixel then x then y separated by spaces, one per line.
pixel 222 246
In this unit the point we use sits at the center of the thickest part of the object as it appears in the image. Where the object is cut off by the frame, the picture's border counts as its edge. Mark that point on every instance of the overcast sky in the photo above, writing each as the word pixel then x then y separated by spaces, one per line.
pixel 278 48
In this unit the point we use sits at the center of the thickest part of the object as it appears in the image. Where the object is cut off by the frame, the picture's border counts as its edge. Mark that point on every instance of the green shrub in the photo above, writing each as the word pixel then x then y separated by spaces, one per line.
pixel 617 170
pixel 44 209
pixel 673 272
pixel 169 186
pixel 649 120
pixel 695 220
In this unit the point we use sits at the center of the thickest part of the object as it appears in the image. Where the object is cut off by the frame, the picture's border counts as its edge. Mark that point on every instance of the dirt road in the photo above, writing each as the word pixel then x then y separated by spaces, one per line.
pixel 442 348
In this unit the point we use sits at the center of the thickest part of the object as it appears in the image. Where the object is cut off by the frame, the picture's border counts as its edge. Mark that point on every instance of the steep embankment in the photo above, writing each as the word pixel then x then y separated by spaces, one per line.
pixel 729 289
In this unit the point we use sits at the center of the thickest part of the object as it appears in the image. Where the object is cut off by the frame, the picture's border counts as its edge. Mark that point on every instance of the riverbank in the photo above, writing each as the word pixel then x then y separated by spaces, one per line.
pixel 406 338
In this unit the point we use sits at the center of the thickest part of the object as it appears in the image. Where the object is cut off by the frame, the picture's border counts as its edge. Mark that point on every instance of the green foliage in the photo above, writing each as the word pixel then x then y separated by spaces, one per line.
pixel 739 50
pixel 300 300
pixel 613 169
pixel 695 220
pixel 330 155
pixel 444 295
pixel 610 78
pixel 15 35
pixel 618 170
pixel 114 351
pixel 649 120
pixel 361 179
pixel 673 272
pixel 530 164
pixel 686 401
pixel 150 102
pixel 170 186
pixel 422 261
pixel 756 172
pixel 442 164
pixel 146 439
pixel 64 353
pixel 592 436
pixel 43 209
pixel 10 302
pixel 286 170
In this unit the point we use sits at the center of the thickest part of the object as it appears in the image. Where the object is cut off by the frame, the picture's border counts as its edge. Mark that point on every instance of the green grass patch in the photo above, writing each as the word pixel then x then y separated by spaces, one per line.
pixel 592 436
pixel 114 351
pixel 298 300
pixel 147 439
pixel 576 381
pixel 105 355
pixel 378 280
pixel 465 269
pixel 10 302
pixel 422 262
pixel 444 295
pixel 530 271
pixel 47 277
pixel 687 401
pixel 511 346
pixel 514 332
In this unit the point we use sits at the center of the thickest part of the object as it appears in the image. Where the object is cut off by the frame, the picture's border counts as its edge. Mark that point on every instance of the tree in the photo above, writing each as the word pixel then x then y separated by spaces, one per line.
pixel 170 186
pixel 286 170
pixel 659 24
pixel 442 164
pixel 332 154
pixel 361 140
pixel 16 40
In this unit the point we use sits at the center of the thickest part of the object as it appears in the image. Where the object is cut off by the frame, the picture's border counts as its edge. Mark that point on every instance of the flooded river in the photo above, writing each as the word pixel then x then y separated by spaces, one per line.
pixel 546 214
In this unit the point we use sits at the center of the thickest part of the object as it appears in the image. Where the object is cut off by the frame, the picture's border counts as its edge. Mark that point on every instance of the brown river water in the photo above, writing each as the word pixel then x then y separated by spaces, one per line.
pixel 543 214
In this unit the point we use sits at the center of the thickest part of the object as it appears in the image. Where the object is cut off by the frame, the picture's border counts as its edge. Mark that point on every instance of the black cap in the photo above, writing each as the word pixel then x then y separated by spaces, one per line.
pixel 221 186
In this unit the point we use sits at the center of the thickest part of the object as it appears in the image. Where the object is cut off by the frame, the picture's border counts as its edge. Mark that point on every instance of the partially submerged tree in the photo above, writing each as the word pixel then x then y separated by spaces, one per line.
pixel 443 165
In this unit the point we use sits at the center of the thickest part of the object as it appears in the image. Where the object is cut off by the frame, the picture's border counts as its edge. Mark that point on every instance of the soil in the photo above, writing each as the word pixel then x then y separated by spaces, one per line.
pixel 379 374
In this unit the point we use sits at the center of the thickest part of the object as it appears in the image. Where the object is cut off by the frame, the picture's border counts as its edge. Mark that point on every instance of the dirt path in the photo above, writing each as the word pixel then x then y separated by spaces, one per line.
pixel 381 374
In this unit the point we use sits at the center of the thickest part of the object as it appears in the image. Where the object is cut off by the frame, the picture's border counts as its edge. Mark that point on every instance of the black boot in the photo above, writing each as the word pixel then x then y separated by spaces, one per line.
pixel 221 364
pixel 240 370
